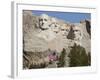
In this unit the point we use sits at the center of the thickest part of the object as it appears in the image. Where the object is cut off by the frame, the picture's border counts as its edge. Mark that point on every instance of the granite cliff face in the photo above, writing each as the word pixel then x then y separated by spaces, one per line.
pixel 42 33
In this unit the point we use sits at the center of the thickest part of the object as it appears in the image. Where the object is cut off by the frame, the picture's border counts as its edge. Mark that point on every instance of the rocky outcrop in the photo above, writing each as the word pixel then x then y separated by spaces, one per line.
pixel 43 32
pixel 86 39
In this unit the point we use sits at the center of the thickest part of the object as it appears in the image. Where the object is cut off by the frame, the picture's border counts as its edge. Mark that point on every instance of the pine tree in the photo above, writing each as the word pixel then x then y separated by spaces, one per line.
pixel 78 56
pixel 61 62
pixel 89 58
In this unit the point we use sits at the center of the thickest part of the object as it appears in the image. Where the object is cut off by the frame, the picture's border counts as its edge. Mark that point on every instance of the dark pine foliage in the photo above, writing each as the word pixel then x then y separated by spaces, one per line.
pixel 61 62
pixel 78 56
pixel 89 58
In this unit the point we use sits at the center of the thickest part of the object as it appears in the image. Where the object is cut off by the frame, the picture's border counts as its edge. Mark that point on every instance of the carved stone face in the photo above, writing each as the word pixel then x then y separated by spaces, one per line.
pixel 54 26
pixel 77 32
pixel 64 30
pixel 44 21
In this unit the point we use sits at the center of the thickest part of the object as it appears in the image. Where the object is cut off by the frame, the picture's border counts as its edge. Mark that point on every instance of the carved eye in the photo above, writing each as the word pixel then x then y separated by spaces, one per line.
pixel 45 19
pixel 67 30
pixel 40 19
pixel 55 25
pixel 75 30
pixel 63 29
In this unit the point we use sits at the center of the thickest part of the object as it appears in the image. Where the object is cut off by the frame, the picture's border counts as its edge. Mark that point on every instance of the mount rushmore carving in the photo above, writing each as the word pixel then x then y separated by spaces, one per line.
pixel 43 35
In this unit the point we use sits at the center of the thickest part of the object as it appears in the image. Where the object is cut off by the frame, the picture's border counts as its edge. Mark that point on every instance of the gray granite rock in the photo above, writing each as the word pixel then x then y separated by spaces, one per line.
pixel 36 39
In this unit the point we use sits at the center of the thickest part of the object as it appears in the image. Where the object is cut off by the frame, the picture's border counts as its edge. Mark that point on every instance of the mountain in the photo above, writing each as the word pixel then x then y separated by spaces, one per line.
pixel 41 33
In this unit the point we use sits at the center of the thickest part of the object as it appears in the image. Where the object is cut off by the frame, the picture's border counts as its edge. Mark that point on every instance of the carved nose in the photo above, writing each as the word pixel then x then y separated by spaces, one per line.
pixel 42 24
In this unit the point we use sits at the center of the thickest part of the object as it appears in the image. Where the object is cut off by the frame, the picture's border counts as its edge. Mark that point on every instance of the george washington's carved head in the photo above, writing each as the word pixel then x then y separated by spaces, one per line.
pixel 44 21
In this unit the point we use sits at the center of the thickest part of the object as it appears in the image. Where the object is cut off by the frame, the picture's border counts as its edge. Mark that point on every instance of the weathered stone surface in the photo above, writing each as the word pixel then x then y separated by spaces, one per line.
pixel 54 34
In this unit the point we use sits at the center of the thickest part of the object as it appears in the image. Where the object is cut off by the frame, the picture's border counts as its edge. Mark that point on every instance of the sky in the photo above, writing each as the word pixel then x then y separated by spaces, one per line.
pixel 71 17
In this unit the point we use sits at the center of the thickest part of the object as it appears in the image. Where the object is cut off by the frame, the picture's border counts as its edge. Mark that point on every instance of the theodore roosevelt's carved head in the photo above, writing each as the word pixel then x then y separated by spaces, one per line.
pixel 64 30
